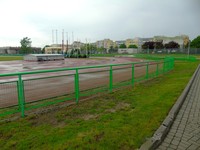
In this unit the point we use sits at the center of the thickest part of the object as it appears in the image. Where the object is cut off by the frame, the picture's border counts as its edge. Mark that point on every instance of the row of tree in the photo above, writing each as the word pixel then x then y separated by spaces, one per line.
pixel 130 46
pixel 160 45
pixel 195 43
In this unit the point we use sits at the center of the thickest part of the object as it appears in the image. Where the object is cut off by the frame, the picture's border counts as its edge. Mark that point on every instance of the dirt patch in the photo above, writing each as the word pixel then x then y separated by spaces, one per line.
pixel 89 116
pixel 119 106
pixel 46 119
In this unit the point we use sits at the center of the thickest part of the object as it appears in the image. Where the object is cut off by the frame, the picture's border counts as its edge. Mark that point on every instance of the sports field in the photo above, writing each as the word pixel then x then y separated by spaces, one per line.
pixel 48 85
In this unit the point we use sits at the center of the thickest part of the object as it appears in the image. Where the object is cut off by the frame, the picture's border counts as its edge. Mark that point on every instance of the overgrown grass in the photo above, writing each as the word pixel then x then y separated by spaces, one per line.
pixel 9 58
pixel 119 120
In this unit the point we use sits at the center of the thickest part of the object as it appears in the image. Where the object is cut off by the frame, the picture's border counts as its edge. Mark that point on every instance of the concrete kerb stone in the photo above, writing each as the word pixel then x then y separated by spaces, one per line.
pixel 160 134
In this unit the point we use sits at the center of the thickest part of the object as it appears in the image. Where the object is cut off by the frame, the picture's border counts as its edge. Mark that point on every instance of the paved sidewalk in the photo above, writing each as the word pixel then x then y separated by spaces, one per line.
pixel 185 131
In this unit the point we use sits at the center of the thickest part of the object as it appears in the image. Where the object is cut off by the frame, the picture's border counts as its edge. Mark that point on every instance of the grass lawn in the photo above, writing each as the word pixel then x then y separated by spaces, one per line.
pixel 9 58
pixel 119 120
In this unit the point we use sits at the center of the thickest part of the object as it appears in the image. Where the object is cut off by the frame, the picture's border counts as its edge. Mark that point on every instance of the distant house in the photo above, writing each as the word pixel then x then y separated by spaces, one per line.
pixel 43 57
pixel 9 50
pixel 16 50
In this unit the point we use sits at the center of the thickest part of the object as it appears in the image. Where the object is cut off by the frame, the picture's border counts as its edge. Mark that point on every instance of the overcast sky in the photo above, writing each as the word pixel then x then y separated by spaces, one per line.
pixel 96 19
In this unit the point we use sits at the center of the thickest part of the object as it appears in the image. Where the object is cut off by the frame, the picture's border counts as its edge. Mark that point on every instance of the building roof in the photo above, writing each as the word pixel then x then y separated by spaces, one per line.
pixel 37 55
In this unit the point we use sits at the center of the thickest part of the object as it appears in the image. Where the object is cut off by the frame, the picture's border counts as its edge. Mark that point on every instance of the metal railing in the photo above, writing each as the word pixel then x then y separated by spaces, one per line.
pixel 23 91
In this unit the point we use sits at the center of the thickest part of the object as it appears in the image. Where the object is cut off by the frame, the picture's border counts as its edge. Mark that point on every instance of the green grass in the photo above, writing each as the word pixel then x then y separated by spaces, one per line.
pixel 108 55
pixel 118 120
pixel 9 58
pixel 183 57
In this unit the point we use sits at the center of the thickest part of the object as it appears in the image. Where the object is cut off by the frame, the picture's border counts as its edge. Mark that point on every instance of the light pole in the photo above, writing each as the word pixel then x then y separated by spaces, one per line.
pixel 189 49
pixel 86 48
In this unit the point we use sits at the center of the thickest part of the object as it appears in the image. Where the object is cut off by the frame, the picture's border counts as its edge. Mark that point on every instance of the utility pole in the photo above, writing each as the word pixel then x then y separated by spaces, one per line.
pixel 52 36
pixel 63 41
pixel 89 47
pixel 73 40
pixel 66 41
pixel 86 48
pixel 77 49
pixel 56 37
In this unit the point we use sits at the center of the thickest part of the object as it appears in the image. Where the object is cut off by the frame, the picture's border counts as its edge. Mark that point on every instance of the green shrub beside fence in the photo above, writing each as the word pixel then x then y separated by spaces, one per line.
pixel 30 90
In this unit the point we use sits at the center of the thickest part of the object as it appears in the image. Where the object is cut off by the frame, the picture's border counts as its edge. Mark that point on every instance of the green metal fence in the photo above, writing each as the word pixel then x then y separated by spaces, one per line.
pixel 23 91
pixel 160 56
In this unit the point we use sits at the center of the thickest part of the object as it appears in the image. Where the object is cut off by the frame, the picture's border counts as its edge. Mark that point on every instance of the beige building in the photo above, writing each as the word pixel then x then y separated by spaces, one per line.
pixel 57 49
pixel 106 43
pixel 134 41
pixel 77 45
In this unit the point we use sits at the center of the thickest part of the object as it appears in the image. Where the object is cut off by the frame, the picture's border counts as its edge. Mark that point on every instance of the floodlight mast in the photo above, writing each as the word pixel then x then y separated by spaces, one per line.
pixel 66 41
pixel 56 36
pixel 52 36
pixel 86 48
pixel 62 41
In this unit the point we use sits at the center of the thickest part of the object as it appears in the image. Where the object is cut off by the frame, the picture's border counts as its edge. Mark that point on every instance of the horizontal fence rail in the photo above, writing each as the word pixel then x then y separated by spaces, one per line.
pixel 23 91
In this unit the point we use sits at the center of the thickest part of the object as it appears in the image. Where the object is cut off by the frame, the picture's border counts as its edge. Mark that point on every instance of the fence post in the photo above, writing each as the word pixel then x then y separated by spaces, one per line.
pixel 172 63
pixel 21 94
pixel 111 79
pixel 133 74
pixel 168 65
pixel 147 70
pixel 76 86
pixel 164 66
pixel 157 70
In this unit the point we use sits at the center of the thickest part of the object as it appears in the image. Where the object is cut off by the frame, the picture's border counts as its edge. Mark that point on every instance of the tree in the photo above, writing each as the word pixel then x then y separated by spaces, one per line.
pixel 172 44
pixel 148 45
pixel 25 46
pixel 113 49
pixel 132 46
pixel 43 49
pixel 195 42
pixel 122 46
pixel 158 45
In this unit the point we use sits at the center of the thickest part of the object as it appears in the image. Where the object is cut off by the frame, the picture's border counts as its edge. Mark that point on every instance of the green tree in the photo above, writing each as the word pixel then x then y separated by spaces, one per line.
pixel 132 46
pixel 122 46
pixel 195 42
pixel 101 49
pixel 113 49
pixel 26 46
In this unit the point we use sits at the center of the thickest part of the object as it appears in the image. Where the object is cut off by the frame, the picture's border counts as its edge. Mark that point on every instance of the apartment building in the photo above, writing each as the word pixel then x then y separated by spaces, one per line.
pixel 106 43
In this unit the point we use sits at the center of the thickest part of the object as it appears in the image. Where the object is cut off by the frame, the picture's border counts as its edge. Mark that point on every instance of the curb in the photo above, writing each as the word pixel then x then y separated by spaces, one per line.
pixel 160 134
